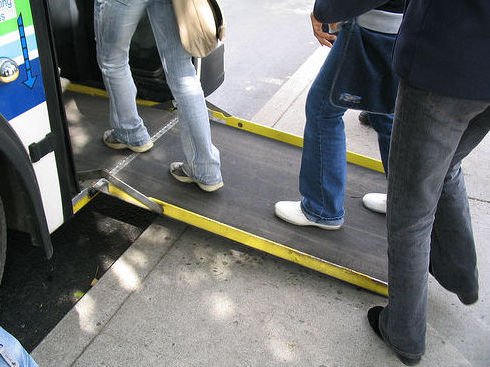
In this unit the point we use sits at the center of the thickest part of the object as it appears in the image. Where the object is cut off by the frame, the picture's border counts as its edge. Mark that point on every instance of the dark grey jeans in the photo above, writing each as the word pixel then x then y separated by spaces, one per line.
pixel 428 214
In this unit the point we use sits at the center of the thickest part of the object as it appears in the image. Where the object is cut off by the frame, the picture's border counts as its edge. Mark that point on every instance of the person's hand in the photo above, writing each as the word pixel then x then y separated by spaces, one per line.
pixel 325 39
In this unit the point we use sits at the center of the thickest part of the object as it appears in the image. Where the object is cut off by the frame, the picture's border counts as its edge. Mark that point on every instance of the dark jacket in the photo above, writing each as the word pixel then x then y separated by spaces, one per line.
pixel 444 47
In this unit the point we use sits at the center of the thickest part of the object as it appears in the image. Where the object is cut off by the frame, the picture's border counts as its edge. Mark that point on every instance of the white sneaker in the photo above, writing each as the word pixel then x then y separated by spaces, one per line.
pixel 375 202
pixel 113 143
pixel 290 211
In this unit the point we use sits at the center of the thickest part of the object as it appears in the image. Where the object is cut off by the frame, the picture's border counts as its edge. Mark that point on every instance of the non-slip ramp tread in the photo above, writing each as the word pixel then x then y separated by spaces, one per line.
pixel 88 119
pixel 257 172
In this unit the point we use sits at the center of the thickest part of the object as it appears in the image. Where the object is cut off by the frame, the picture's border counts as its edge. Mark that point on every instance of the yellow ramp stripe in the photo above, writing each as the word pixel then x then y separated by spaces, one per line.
pixel 295 140
pixel 83 89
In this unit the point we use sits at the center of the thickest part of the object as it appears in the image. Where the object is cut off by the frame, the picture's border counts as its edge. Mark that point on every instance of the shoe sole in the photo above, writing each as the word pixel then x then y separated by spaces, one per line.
pixel 210 188
pixel 310 224
pixel 184 179
pixel 137 149
pixel 187 179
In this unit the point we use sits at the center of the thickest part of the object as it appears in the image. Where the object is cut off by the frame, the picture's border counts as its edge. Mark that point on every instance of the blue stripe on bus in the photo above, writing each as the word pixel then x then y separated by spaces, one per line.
pixel 17 98
pixel 14 49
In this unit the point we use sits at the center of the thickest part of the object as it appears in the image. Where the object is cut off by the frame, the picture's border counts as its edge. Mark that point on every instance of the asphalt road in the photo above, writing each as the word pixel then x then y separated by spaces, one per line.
pixel 267 41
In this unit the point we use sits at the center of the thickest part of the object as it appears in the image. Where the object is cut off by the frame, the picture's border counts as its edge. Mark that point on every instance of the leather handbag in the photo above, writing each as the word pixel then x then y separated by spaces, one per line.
pixel 201 25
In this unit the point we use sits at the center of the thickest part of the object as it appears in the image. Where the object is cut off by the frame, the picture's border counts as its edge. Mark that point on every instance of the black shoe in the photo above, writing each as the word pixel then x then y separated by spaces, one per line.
pixel 468 298
pixel 373 318
pixel 364 118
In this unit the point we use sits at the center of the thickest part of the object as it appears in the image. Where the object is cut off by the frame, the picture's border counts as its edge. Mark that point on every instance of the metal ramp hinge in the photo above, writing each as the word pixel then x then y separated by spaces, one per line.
pixel 103 181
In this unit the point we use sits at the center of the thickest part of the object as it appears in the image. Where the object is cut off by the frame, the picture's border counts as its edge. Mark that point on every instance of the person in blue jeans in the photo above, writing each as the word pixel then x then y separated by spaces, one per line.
pixel 115 22
pixel 442 113
pixel 322 178
pixel 12 353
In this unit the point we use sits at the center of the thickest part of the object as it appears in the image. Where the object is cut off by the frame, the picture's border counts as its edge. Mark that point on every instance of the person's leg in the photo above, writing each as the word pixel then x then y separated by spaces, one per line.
pixel 453 254
pixel 115 23
pixel 425 138
pixel 12 353
pixel 382 124
pixel 202 161
pixel 323 163
pixel 376 202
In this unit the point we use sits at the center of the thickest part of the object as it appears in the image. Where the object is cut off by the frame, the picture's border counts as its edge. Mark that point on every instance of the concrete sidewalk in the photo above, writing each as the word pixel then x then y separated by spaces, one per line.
pixel 184 297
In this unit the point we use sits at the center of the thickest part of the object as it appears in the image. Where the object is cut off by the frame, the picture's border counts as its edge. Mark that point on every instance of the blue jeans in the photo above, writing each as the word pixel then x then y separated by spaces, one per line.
pixel 12 353
pixel 428 215
pixel 115 23
pixel 323 164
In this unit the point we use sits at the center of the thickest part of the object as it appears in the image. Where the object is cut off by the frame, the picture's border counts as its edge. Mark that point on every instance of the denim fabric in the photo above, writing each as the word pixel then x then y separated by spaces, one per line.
pixel 323 164
pixel 369 83
pixel 12 353
pixel 382 124
pixel 115 23
pixel 428 214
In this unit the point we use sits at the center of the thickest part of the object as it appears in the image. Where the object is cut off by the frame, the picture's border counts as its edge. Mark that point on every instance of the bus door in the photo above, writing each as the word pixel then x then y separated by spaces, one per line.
pixel 35 155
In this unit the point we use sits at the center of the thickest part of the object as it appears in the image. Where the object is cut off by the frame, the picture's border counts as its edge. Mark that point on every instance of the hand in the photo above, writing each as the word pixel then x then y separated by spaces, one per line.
pixel 325 39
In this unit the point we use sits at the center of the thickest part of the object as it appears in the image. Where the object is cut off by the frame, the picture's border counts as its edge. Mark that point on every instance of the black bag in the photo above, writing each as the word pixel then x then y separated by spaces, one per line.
pixel 365 79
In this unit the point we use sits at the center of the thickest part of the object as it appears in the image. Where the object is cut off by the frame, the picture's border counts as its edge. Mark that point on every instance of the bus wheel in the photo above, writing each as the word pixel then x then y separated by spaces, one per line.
pixel 3 239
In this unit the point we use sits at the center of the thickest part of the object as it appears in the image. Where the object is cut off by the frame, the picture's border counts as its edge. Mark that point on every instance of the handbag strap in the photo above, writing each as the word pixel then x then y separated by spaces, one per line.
pixel 219 19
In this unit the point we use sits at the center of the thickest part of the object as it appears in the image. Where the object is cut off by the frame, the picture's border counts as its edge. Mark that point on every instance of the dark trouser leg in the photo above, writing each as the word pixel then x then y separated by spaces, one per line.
pixel 425 148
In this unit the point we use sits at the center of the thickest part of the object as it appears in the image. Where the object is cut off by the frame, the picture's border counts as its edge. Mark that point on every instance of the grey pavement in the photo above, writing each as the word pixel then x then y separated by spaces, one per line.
pixel 181 296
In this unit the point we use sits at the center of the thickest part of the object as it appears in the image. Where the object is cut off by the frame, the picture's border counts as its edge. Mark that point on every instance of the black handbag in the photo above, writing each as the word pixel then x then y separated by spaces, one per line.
pixel 364 78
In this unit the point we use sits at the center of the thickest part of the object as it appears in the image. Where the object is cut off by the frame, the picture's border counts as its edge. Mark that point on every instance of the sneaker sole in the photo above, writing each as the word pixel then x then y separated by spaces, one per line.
pixel 137 149
pixel 210 188
pixel 326 227
pixel 141 149
pixel 204 187
pixel 183 179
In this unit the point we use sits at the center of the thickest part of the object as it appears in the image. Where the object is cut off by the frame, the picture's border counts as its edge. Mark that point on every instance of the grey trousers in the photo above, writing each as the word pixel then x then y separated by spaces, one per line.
pixel 428 215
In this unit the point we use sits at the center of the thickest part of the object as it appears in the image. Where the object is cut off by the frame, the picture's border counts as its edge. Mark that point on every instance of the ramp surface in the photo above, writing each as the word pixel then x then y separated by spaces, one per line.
pixel 257 172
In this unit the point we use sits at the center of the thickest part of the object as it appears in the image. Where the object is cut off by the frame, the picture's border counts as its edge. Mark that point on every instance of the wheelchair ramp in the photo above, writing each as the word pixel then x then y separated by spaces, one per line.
pixel 257 172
